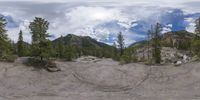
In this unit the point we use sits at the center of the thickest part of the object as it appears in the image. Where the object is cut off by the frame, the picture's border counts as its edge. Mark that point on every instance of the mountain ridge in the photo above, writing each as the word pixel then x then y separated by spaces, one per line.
pixel 171 39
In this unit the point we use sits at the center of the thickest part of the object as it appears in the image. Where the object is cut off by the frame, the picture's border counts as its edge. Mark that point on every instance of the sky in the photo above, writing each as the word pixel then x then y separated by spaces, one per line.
pixel 101 20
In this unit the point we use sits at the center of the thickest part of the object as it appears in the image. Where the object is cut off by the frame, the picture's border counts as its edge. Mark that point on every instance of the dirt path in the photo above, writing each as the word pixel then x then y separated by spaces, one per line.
pixel 100 79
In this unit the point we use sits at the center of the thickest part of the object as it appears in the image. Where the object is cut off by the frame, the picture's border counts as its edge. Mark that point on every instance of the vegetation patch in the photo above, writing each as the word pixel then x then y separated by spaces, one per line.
pixel 48 65
pixel 8 58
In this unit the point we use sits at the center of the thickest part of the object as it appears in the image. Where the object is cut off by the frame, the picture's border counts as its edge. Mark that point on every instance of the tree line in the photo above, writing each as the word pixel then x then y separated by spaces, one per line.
pixel 41 47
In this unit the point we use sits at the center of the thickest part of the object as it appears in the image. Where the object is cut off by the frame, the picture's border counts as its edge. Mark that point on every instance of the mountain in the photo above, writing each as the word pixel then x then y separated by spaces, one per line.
pixel 81 41
pixel 177 39
pixel 85 44
pixel 139 43
pixel 175 45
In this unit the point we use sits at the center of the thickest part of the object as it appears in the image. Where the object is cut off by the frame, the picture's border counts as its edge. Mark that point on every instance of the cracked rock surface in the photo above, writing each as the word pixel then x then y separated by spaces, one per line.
pixel 90 78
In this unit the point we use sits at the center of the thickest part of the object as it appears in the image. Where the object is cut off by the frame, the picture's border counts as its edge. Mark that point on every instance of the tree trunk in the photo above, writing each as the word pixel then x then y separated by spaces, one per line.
pixel 41 58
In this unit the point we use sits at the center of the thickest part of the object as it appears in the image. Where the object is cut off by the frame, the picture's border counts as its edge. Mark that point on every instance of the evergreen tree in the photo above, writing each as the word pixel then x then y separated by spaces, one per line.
pixel 40 43
pixel 121 43
pixel 3 31
pixel 20 45
pixel 61 47
pixel 4 43
pixel 156 37
pixel 69 53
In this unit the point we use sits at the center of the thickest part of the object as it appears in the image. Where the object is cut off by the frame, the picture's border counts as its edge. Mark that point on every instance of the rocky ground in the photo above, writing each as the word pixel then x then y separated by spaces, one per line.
pixel 89 78
pixel 168 55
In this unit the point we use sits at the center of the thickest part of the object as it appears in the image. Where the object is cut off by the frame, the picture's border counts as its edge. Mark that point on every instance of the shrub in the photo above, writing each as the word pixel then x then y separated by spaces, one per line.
pixel 148 62
pixel 125 59
pixel 196 47
pixel 8 58
pixel 40 64
pixel 36 63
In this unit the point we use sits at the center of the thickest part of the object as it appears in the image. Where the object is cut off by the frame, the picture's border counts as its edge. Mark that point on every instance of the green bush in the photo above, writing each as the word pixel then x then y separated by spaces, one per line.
pixel 38 63
pixel 196 47
pixel 128 56
pixel 8 58
pixel 125 59
pixel 148 62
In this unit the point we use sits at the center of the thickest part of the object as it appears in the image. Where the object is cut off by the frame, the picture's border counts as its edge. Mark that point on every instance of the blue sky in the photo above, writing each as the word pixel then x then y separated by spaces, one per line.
pixel 100 20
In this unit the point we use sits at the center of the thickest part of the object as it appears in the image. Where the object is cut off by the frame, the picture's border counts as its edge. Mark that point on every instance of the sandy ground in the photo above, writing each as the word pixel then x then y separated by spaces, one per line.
pixel 100 79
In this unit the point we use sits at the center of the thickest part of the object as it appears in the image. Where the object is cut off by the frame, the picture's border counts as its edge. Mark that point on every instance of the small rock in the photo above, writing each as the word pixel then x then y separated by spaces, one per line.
pixel 178 63
pixel 55 69
pixel 185 59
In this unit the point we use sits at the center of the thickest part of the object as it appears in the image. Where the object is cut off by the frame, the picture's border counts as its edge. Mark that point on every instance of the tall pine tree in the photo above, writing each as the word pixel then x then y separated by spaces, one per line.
pixel 61 47
pixel 121 43
pixel 20 45
pixel 4 43
pixel 40 43
pixel 156 37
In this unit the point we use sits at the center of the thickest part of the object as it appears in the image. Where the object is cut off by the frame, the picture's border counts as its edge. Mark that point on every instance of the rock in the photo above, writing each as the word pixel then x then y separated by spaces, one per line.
pixel 54 69
pixel 195 58
pixel 185 59
pixel 178 63
pixel 51 67
pixel 88 59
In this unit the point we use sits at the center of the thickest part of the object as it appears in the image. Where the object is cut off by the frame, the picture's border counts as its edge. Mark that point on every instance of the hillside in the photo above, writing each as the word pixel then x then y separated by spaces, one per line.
pixel 80 46
pixel 174 46
pixel 85 44
pixel 81 41
pixel 177 39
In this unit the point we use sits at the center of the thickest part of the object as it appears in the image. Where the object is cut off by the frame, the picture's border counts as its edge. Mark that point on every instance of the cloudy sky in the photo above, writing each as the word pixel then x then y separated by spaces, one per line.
pixel 100 20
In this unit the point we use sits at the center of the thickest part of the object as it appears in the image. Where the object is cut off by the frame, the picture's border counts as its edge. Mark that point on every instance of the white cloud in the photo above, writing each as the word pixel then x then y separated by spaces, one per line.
pixel 93 17
pixel 85 20
pixel 191 26
pixel 166 29
pixel 169 25
pixel 13 32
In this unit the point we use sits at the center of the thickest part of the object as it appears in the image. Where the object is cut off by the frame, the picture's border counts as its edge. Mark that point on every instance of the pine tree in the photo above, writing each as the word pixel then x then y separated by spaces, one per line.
pixel 40 43
pixel 20 46
pixel 156 37
pixel 3 31
pixel 69 53
pixel 3 37
pixel 121 43
pixel 61 47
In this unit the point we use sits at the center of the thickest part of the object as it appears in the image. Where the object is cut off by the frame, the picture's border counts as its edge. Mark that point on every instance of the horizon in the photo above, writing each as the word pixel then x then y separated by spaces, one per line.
pixel 100 20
